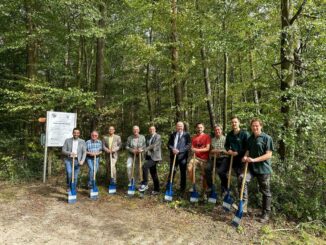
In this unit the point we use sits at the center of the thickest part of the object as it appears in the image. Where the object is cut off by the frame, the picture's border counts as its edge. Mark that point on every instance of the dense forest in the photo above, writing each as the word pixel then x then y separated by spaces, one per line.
pixel 144 62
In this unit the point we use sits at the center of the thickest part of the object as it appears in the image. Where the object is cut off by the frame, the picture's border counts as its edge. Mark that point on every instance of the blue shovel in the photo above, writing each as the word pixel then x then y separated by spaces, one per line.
pixel 194 195
pixel 112 186
pixel 213 196
pixel 228 200
pixel 72 194
pixel 132 185
pixel 238 215
pixel 94 191
pixel 169 190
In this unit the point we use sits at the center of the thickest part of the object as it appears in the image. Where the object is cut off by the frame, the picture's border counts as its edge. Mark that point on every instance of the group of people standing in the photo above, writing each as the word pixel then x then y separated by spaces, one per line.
pixel 255 148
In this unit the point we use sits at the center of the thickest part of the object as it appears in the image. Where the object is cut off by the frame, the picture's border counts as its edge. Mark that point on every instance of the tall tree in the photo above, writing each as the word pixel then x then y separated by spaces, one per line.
pixel 178 91
pixel 99 78
pixel 287 65
pixel 31 46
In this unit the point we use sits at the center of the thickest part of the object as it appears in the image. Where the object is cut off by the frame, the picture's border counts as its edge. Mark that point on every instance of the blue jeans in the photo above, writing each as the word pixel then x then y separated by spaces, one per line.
pixel 68 162
pixel 90 163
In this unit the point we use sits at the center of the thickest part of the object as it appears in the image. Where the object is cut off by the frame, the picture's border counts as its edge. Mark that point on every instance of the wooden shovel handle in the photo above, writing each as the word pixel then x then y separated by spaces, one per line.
pixel 244 181
pixel 111 165
pixel 194 169
pixel 173 165
pixel 214 167
pixel 94 168
pixel 133 166
pixel 140 167
pixel 230 172
pixel 73 169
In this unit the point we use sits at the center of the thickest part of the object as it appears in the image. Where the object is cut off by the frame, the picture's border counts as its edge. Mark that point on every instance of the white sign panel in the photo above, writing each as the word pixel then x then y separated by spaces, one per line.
pixel 59 126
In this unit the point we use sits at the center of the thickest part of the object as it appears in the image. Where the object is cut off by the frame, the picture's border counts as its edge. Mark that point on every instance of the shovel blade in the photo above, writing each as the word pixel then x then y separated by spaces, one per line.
pixel 72 197
pixel 227 202
pixel 131 188
pixel 238 215
pixel 213 196
pixel 112 187
pixel 169 193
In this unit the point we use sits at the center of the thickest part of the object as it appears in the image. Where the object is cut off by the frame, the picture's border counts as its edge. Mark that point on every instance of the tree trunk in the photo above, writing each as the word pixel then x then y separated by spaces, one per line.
pixel 226 81
pixel 31 47
pixel 287 67
pixel 253 78
pixel 148 78
pixel 99 78
pixel 178 96
pixel 207 86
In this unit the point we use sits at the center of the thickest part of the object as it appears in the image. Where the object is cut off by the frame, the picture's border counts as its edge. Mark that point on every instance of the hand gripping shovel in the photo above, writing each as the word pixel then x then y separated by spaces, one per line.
pixel 194 195
pixel 238 215
pixel 94 191
pixel 169 190
pixel 213 196
pixel 228 200
pixel 72 194
pixel 132 186
pixel 113 185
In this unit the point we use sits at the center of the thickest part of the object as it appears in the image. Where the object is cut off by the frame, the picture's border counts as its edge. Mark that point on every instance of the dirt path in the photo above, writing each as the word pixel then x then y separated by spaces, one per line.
pixel 38 214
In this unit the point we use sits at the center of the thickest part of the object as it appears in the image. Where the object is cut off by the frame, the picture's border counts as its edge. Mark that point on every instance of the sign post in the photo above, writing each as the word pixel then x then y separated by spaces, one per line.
pixel 59 126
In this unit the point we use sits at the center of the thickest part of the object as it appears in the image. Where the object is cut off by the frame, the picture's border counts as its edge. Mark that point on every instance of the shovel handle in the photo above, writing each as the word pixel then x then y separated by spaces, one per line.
pixel 140 167
pixel 73 169
pixel 230 172
pixel 173 165
pixel 244 181
pixel 111 165
pixel 194 170
pixel 214 167
pixel 133 166
pixel 94 168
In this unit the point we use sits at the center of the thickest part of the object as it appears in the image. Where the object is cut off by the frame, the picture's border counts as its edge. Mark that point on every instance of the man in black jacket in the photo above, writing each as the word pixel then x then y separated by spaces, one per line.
pixel 179 145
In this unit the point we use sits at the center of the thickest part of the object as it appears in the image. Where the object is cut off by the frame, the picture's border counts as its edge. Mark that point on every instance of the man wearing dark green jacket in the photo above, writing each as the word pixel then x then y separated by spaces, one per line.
pixel 236 146
pixel 258 155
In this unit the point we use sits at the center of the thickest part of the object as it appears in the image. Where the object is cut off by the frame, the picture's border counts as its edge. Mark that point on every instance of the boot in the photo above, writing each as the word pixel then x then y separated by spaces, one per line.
pixel 264 217
pixel 266 209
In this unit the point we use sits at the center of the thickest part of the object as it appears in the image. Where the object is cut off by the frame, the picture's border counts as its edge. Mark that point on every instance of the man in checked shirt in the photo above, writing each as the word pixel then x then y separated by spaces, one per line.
pixel 93 148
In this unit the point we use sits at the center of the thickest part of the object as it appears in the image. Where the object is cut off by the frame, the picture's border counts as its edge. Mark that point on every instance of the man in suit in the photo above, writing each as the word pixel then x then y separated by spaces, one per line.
pixel 179 145
pixel 93 149
pixel 111 145
pixel 136 144
pixel 74 147
pixel 153 155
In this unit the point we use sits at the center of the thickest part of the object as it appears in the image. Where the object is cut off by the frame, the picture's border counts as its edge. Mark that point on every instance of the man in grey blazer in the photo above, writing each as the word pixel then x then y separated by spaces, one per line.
pixel 111 145
pixel 153 154
pixel 74 147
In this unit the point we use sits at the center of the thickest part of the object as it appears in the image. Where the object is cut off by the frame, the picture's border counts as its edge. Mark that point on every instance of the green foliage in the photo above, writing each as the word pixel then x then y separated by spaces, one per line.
pixel 138 58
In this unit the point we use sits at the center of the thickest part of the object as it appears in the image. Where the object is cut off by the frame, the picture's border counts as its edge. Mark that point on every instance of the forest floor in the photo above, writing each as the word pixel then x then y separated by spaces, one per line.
pixel 36 213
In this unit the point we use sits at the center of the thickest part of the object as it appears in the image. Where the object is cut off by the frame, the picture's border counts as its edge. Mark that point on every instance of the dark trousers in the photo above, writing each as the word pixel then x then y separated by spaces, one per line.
pixel 151 166
pixel 222 169
pixel 182 163
pixel 264 188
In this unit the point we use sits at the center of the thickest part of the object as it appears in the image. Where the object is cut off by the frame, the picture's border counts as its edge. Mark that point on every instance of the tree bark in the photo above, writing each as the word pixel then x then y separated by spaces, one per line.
pixel 99 78
pixel 31 46
pixel 253 78
pixel 287 67
pixel 148 78
pixel 207 83
pixel 226 81
pixel 178 95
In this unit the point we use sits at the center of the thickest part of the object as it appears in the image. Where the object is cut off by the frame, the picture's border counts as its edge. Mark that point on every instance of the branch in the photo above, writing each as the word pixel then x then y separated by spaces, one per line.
pixel 298 12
